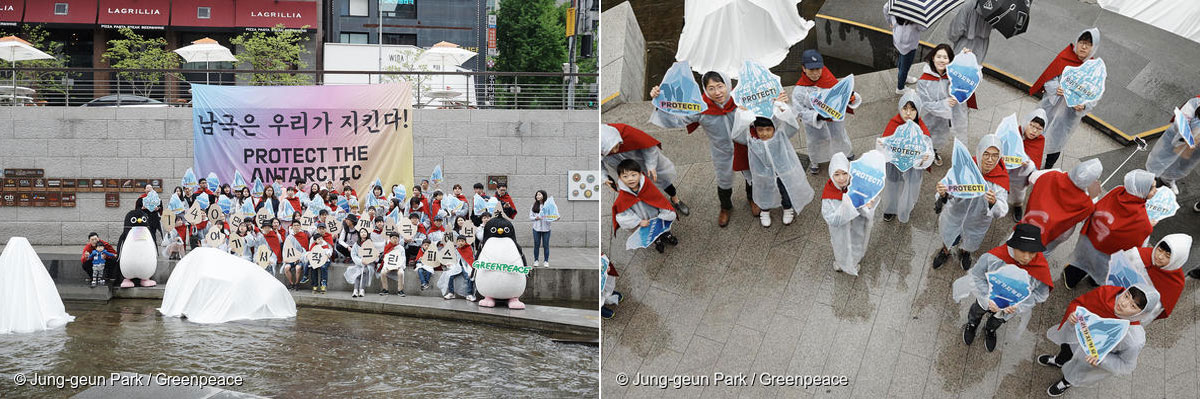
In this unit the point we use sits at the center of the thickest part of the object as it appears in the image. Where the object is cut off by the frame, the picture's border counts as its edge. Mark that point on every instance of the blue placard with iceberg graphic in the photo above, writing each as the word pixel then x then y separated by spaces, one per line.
pixel 866 177
pixel 1013 154
pixel 679 94
pixel 757 89
pixel 1084 83
pixel 343 203
pixel 202 200
pixel 257 188
pixel 278 189
pixel 394 215
pixel 964 180
pixel 213 182
pixel 175 205
pixel 247 207
pixel 400 193
pixel 1184 126
pixel 189 180
pixel 605 264
pixel 239 181
pixel 286 212
pixel 1097 335
pixel 644 236
pixel 1008 286
pixel 225 203
pixel 832 103
pixel 965 75
pixel 1123 271
pixel 436 176
pixel 151 201
pixel 550 209
pixel 451 204
pixel 478 205
pixel 1162 205
pixel 906 145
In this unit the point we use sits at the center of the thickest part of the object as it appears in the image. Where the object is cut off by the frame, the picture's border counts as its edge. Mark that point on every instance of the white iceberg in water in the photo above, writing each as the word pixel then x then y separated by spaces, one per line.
pixel 211 286
pixel 29 300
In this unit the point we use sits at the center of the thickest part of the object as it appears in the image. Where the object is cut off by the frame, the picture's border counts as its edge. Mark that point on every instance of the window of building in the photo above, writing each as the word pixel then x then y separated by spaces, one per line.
pixel 357 38
pixel 400 38
pixel 203 12
pixel 355 8
pixel 401 10
pixel 60 8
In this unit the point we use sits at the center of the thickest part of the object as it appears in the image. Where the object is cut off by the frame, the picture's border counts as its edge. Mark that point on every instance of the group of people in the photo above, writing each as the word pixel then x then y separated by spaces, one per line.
pixel 321 219
pixel 1047 204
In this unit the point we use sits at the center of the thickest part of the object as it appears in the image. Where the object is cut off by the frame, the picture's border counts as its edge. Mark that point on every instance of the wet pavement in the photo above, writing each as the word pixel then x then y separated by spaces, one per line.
pixel 744 299
pixel 319 353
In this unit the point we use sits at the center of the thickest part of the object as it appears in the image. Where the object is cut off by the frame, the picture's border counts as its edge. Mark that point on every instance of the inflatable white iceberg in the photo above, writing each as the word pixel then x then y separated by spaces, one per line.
pixel 29 300
pixel 211 286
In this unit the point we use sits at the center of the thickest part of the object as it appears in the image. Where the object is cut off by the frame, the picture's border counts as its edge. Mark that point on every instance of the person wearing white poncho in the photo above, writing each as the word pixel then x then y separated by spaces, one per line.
pixel 901 190
pixel 1034 143
pixel 776 171
pixel 1061 119
pixel 360 273
pixel 945 116
pixel 1118 222
pixel 964 221
pixel 970 30
pixel 29 300
pixel 1172 158
pixel 1111 302
pixel 849 227
pixel 1023 250
pixel 1163 263
pixel 619 142
pixel 823 136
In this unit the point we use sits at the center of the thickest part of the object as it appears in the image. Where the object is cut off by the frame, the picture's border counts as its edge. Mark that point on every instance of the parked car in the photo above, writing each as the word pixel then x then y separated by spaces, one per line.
pixel 124 100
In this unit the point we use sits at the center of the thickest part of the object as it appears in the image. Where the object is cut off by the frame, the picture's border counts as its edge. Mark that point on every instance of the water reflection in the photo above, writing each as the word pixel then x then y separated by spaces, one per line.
pixel 323 352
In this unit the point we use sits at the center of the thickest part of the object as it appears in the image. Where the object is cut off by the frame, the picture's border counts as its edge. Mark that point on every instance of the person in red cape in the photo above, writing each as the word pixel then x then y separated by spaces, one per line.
pixel 393 247
pixel 849 226
pixel 1118 222
pixel 293 271
pixel 947 119
pixel 462 270
pixel 1061 119
pixel 638 202
pixel 901 190
pixel 1033 142
pixel 619 142
pixel 824 136
pixel 1059 201
pixel 1079 367
pixel 506 202
pixel 274 235
pixel 1024 250
pixel 1163 264
pixel 964 221
pixel 717 121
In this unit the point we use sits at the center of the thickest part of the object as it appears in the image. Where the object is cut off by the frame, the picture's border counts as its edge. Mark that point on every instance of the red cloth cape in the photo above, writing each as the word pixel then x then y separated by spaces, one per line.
pixel 1100 300
pixel 1169 283
pixel 633 139
pixel 1066 205
pixel 648 194
pixel 1065 58
pixel 1037 268
pixel 1129 227
pixel 970 100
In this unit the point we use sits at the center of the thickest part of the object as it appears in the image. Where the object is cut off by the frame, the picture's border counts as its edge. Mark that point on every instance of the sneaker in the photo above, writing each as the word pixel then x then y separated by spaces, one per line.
pixel 1174 188
pixel 536 263
pixel 448 296
pixel 788 216
pixel 323 287
pixel 424 287
pixel 384 292
pixel 1194 273
pixel 964 259
pixel 667 236
pixel 304 280
pixel 400 293
pixel 1048 361
pixel 546 264
pixel 937 159
pixel 887 217
pixel 471 297
pixel 989 339
pixel 910 80
pixel 900 92
pixel 660 246
pixel 682 208
pixel 1058 389
pixel 941 258
pixel 765 218
pixel 814 169
pixel 606 313
pixel 1017 213
pixel 969 331
pixel 315 290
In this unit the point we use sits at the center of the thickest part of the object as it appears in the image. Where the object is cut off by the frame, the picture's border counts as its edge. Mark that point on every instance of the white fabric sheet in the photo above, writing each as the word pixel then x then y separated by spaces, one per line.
pixel 211 286
pixel 29 300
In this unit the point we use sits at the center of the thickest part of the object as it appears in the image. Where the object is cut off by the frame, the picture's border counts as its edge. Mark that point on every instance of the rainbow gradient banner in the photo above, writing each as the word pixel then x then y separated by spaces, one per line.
pixel 314 133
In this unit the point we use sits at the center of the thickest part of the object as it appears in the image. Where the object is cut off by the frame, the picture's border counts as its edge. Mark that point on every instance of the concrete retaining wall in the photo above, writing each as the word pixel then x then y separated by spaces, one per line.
pixel 533 148
pixel 623 61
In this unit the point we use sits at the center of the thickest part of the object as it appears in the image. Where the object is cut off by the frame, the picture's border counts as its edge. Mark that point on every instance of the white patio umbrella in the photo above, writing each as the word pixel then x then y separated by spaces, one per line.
pixel 206 50
pixel 13 49
pixel 445 56
pixel 718 35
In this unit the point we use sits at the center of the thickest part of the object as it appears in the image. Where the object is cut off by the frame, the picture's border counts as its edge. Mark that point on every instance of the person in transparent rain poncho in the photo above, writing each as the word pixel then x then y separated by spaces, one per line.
pixel 1172 158
pixel 359 274
pixel 945 116
pixel 777 174
pixel 1079 368
pixel 1062 119
pixel 849 227
pixel 1059 201
pixel 619 142
pixel 1033 142
pixel 823 136
pixel 1023 250
pixel 901 190
pixel 964 221
pixel 1118 222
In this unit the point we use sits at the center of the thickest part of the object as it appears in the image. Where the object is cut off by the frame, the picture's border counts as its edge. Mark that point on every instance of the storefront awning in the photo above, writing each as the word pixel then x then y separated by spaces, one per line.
pixel 61 12
pixel 136 14
pixel 202 13
pixel 253 14
pixel 11 12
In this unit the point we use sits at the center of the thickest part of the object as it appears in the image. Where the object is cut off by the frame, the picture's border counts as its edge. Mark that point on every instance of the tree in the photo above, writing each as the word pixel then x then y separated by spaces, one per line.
pixel 277 50
pixel 138 52
pixel 529 37
pixel 43 82
pixel 407 62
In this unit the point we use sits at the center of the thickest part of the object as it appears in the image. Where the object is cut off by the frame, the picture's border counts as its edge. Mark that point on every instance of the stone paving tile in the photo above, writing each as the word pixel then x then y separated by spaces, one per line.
pixel 744 299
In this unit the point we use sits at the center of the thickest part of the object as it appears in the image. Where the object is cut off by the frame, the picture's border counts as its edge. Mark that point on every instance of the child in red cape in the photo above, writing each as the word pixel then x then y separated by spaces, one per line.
pixel 1163 262
pixel 619 142
pixel 1079 368
pixel 964 221
pixel 824 136
pixel 638 202
pixel 902 189
pixel 849 227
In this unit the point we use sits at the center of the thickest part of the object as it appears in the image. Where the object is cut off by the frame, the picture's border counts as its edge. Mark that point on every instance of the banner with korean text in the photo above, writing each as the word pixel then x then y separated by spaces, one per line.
pixel 314 133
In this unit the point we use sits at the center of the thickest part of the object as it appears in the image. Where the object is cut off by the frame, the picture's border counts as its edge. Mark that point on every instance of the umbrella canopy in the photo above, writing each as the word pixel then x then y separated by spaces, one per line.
pixel 1009 17
pixel 922 12
pixel 14 49
pixel 444 55
pixel 205 50
pixel 718 35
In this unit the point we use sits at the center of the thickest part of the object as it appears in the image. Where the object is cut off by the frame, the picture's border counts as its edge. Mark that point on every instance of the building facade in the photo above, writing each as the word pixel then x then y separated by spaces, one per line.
pixel 420 23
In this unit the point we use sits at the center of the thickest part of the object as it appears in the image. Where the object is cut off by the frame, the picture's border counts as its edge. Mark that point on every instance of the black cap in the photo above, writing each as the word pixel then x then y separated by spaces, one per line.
pixel 1026 237
pixel 812 59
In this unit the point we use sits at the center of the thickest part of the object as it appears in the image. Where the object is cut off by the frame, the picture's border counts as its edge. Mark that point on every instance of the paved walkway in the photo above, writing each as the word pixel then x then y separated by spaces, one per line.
pixel 744 299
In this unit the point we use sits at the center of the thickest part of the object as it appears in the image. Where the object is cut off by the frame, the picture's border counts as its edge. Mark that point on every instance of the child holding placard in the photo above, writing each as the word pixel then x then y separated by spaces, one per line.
pixel 1061 119
pixel 461 268
pixel 1023 250
pixel 902 189
pixel 484 218
pixel 964 221
pixel 319 276
pixel 775 170
pixel 638 202
pixel 619 142
pixel 1034 143
pixel 946 118
pixel 299 241
pixel 1118 222
pixel 393 247
pixel 849 227
pixel 424 268
pixel 274 235
pixel 1079 367
pixel 360 273
pixel 541 228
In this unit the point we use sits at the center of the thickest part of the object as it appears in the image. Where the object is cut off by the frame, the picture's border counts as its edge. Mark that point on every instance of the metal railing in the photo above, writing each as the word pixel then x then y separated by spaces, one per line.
pixel 172 87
